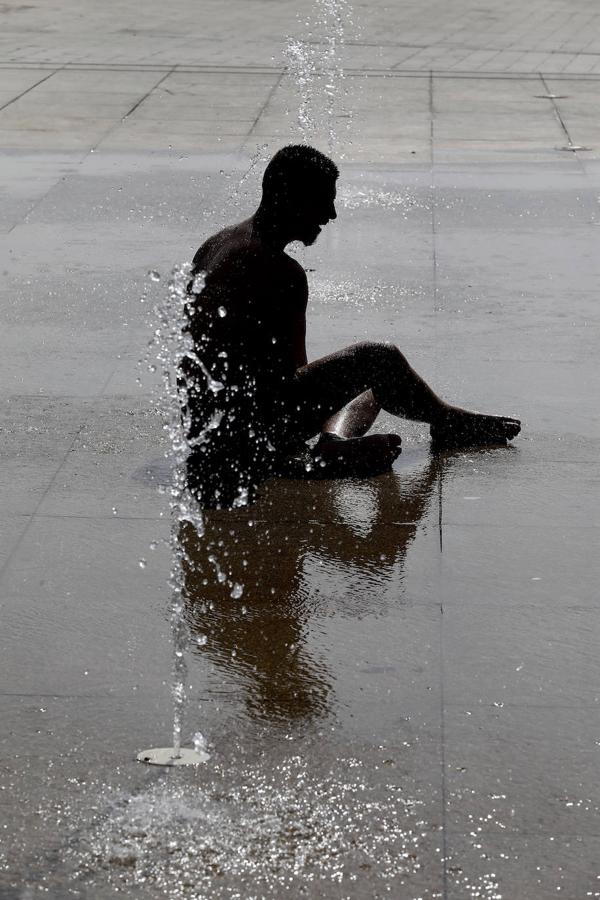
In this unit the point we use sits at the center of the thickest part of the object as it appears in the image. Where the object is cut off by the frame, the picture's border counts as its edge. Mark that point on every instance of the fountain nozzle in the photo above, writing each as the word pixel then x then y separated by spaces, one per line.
pixel 170 756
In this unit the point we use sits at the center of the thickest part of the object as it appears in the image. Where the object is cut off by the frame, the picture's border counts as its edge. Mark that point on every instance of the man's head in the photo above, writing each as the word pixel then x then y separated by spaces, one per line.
pixel 299 190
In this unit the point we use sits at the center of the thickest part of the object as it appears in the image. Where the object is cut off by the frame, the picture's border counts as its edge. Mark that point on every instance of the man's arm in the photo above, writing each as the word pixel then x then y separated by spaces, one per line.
pixel 299 321
pixel 299 344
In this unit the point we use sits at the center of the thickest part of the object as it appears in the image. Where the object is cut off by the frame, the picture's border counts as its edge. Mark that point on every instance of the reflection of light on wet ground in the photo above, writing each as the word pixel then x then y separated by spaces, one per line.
pixel 346 590
pixel 377 294
pixel 353 197
pixel 356 505
pixel 255 830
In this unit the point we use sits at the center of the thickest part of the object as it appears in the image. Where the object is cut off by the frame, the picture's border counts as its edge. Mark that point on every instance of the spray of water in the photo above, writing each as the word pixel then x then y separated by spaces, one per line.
pixel 315 67
pixel 239 193
pixel 303 70
pixel 272 831
pixel 172 345
pixel 331 20
pixel 185 378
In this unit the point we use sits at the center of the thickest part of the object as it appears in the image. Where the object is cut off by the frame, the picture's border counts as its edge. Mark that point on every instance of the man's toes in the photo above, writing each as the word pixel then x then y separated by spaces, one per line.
pixel 394 444
pixel 501 426
pixel 509 427
pixel 477 430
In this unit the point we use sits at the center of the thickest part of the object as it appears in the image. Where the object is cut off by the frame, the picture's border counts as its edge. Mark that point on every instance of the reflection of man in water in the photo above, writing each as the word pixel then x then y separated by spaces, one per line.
pixel 267 646
pixel 249 325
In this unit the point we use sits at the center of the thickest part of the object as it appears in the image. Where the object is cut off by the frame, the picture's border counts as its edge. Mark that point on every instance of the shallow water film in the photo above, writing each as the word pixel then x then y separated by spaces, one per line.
pixel 396 678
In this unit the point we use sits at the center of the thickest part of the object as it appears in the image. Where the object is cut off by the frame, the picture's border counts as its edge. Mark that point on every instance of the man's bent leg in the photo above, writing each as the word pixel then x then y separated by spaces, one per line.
pixel 344 445
pixel 344 448
pixel 355 418
pixel 323 387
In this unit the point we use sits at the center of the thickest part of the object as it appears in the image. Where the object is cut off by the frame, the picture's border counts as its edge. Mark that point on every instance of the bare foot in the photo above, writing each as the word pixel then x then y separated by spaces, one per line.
pixel 337 457
pixel 459 427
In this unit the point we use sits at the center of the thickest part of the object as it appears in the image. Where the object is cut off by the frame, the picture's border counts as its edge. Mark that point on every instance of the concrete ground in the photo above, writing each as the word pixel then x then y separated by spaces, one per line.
pixel 405 700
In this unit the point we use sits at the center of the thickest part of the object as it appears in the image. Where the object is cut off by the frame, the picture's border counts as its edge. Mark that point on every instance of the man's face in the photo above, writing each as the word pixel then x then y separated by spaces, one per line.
pixel 315 210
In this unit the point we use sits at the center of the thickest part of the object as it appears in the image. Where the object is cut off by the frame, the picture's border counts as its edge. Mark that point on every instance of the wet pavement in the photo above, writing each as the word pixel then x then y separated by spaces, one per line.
pixel 404 700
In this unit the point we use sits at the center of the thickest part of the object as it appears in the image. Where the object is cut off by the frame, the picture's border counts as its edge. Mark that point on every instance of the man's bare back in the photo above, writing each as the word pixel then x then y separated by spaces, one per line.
pixel 258 295
pixel 249 328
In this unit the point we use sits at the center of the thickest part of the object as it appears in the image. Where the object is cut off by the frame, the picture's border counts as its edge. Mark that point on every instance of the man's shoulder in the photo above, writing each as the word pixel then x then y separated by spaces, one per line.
pixel 295 268
pixel 232 246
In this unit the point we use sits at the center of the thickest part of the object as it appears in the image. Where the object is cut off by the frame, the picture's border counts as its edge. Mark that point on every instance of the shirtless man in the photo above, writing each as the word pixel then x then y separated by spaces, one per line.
pixel 248 324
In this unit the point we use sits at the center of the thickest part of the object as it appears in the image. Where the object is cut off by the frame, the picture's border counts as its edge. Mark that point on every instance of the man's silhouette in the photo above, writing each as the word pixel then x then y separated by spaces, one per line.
pixel 248 324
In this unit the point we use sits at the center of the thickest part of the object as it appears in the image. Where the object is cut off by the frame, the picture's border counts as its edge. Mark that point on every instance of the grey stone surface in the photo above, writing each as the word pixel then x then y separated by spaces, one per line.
pixel 404 702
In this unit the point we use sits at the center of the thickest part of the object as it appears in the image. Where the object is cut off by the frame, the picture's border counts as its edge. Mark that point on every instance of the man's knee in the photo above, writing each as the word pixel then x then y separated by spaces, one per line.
pixel 382 353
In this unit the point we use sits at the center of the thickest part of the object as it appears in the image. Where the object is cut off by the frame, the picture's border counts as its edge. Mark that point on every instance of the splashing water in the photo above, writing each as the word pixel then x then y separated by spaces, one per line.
pixel 256 835
pixel 354 197
pixel 240 193
pixel 172 345
pixel 302 68
pixel 332 15
pixel 316 70
pixel 174 348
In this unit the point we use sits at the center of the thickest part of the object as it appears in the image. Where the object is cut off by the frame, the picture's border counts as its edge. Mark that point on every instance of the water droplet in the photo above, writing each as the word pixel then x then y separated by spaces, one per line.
pixel 143 563
pixel 201 640
pixel 114 510
pixel 236 591
pixel 222 311
pixel 198 283
pixel 199 742
pixel 153 275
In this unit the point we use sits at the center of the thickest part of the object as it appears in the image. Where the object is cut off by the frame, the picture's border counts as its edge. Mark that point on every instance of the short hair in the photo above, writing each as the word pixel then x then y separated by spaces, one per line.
pixel 296 167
